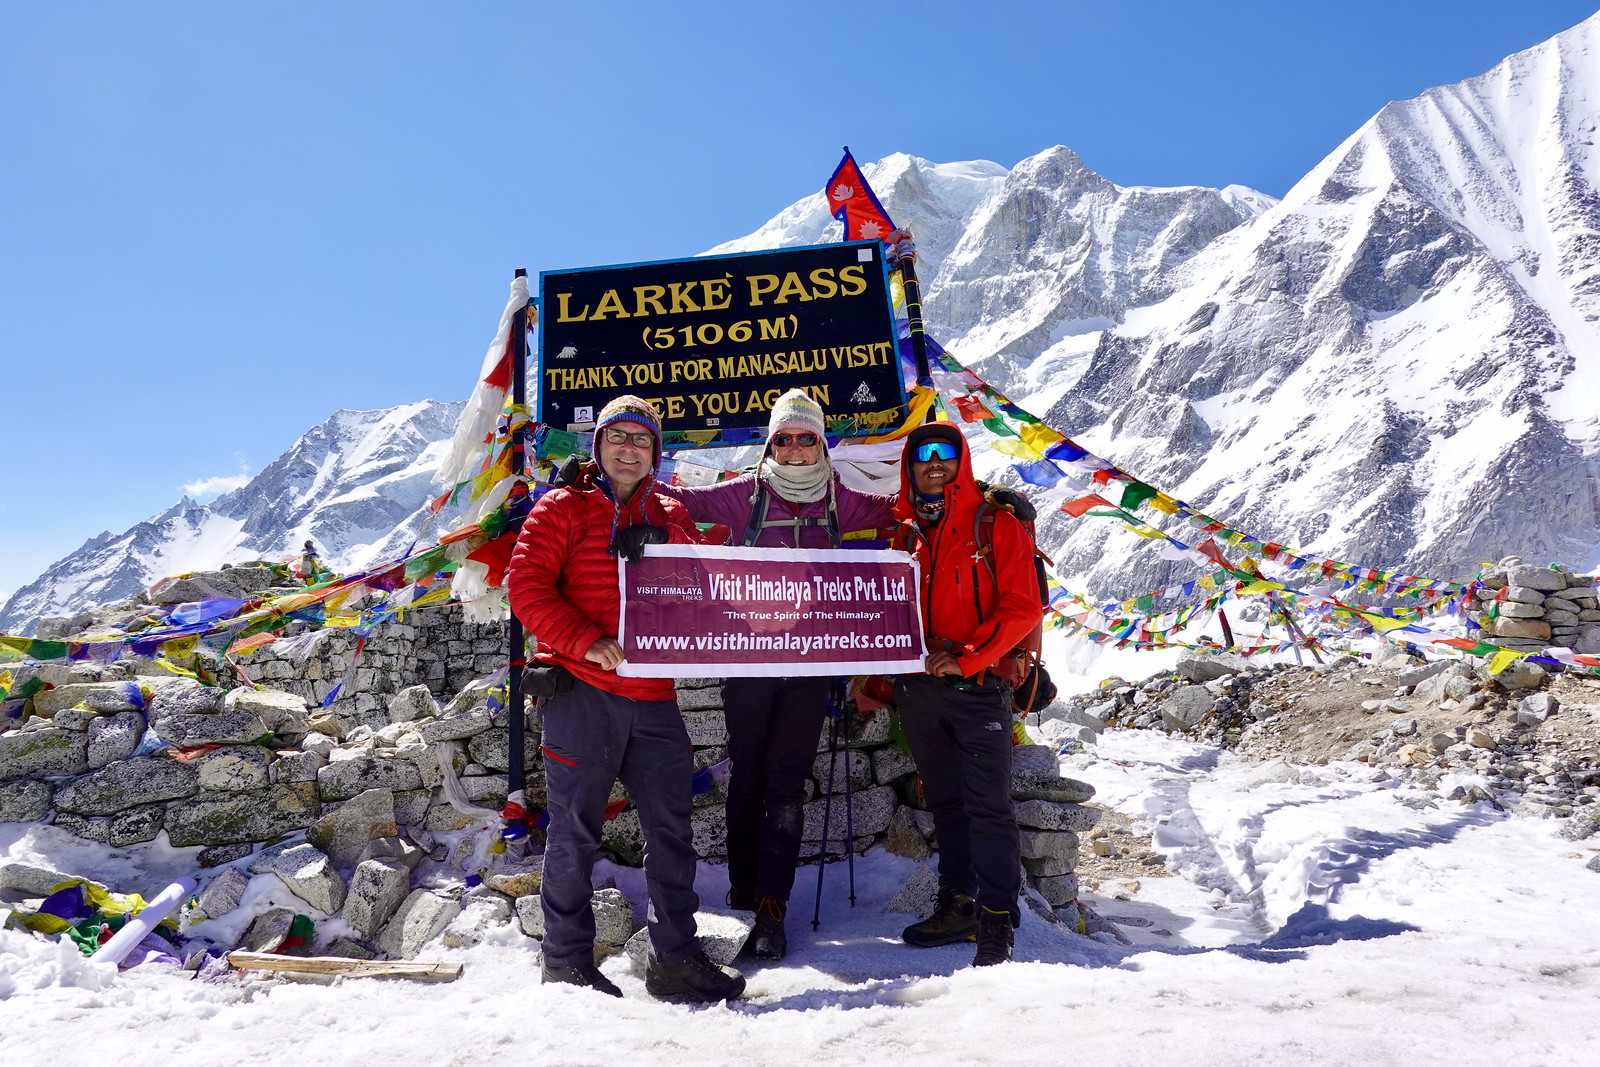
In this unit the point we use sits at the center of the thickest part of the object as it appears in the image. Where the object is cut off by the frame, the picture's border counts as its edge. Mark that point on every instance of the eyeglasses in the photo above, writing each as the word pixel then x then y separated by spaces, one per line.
pixel 614 436
pixel 932 450
pixel 784 440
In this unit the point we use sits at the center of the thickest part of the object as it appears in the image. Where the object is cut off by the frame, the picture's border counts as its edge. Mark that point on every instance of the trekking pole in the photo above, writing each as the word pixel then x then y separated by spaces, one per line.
pixel 827 807
pixel 836 699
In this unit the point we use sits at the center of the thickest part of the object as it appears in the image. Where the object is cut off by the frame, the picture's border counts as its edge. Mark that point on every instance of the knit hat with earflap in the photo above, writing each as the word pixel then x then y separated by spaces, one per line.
pixel 795 411
pixel 627 408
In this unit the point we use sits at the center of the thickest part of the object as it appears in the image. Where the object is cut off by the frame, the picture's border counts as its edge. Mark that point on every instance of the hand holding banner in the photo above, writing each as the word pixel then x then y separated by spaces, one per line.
pixel 702 610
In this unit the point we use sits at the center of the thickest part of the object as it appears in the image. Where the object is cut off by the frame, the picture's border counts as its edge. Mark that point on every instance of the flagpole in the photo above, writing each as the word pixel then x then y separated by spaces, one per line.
pixel 515 780
pixel 906 262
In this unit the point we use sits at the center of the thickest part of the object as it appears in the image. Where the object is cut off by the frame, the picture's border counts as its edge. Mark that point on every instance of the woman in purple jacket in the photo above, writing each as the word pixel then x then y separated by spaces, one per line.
pixel 774 723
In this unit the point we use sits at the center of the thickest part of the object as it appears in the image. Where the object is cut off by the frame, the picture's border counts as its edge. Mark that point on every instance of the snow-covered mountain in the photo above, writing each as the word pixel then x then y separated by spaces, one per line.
pixel 358 486
pixel 1400 362
pixel 1022 269
pixel 1397 364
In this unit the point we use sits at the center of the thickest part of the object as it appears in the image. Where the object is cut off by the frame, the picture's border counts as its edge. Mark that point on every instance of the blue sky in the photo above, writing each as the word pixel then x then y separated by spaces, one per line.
pixel 221 222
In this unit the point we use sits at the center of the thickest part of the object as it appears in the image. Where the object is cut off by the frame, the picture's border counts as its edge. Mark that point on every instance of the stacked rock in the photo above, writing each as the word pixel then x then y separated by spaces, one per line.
pixel 1530 608
pixel 1051 814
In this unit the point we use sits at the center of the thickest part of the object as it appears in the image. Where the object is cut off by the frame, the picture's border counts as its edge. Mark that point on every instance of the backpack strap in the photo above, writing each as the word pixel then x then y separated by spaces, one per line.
pixel 985 544
pixel 761 499
pixel 758 512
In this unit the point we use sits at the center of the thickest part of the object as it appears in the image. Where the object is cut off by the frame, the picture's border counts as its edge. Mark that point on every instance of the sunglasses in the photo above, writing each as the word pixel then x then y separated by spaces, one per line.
pixel 931 450
pixel 784 440
pixel 615 436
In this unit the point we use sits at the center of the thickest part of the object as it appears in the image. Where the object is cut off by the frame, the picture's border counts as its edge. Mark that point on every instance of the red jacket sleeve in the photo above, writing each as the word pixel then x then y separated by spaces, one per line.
pixel 536 566
pixel 1017 609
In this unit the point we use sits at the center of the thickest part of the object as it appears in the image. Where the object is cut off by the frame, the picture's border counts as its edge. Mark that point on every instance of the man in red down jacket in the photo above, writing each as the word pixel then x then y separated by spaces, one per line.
pixel 603 727
pixel 774 723
pixel 957 716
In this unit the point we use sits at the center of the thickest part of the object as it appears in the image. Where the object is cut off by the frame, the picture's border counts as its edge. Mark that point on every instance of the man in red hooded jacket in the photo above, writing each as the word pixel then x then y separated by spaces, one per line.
pixel 603 727
pixel 980 600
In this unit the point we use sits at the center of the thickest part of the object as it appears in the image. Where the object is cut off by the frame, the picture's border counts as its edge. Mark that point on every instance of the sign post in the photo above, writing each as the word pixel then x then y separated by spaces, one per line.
pixel 515 781
pixel 713 341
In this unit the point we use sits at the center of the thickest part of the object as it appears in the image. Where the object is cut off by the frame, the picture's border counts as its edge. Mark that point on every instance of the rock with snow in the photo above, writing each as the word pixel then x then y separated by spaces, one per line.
pixel 268 930
pixel 308 873
pixel 345 833
pixel 421 917
pixel 393 848
pixel 222 894
pixel 377 889
pixel 916 895
pixel 479 915
pixel 721 935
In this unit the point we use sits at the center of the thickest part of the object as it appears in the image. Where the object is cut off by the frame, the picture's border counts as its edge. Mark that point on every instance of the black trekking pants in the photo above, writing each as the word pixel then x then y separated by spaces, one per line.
pixel 774 725
pixel 961 741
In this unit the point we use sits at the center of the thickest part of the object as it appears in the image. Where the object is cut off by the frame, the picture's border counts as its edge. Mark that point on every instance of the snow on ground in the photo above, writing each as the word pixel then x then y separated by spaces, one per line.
pixel 1325 920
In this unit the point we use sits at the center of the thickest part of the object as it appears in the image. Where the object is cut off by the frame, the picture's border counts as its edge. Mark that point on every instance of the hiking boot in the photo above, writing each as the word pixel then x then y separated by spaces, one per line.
pixel 994 938
pixel 695 980
pixel 954 918
pixel 767 941
pixel 741 899
pixel 584 974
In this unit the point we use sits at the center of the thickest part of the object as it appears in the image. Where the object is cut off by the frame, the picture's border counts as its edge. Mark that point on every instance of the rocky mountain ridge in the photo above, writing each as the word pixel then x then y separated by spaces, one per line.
pixel 358 486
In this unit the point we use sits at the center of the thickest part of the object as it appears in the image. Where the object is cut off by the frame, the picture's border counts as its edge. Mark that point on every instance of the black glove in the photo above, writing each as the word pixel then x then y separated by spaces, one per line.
pixel 631 540
pixel 567 473
pixel 1019 504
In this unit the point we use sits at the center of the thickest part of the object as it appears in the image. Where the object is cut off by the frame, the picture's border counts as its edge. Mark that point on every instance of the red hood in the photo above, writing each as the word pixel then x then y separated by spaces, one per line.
pixel 961 496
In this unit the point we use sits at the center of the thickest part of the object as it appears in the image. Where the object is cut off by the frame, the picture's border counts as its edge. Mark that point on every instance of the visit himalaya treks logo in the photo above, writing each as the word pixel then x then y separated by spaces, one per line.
pixel 863 395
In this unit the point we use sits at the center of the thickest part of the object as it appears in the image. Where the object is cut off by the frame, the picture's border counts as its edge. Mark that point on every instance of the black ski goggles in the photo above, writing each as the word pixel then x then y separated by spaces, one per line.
pixel 784 440
pixel 932 450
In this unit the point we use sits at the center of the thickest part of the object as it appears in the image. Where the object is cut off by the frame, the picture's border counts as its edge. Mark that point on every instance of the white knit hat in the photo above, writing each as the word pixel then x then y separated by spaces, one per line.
pixel 795 410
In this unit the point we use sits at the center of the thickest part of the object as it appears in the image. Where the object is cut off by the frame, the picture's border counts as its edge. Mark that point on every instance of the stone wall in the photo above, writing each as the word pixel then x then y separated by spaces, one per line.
pixel 433 646
pixel 241 767
pixel 1530 608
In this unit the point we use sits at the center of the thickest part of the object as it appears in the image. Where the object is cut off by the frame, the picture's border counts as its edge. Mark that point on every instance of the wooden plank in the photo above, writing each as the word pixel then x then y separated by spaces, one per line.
pixel 339 965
